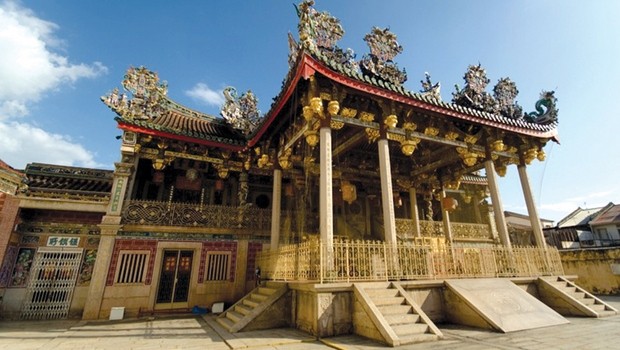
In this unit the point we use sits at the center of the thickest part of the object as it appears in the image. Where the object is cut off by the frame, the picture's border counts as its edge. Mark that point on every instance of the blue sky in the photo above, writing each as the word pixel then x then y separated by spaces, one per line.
pixel 58 57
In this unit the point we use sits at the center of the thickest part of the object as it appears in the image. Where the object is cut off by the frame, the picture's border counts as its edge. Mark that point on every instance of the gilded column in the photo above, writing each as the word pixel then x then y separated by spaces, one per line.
pixel 531 207
pixel 110 224
pixel 500 220
pixel 326 203
pixel 387 197
pixel 276 208
pixel 445 217
pixel 414 211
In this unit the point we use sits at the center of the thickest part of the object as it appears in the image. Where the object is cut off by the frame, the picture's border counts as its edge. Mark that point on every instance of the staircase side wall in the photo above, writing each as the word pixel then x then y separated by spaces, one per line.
pixel 322 314
pixel 277 315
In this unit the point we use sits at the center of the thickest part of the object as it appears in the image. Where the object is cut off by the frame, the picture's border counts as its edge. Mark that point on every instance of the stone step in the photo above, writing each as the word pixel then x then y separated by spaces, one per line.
pixel 587 301
pixel 234 316
pixel 225 322
pixel 417 338
pixel 249 302
pixel 395 309
pixel 606 313
pixel 384 301
pixel 243 309
pixel 383 292
pixel 408 329
pixel 598 307
pixel 402 319
pixel 577 295
pixel 258 297
pixel 266 290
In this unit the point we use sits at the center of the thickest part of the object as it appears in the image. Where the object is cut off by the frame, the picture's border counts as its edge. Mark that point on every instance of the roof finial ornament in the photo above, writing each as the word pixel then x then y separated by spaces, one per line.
pixel 319 32
pixel 546 111
pixel 473 95
pixel 241 112
pixel 146 91
pixel 383 48
pixel 429 89
pixel 505 93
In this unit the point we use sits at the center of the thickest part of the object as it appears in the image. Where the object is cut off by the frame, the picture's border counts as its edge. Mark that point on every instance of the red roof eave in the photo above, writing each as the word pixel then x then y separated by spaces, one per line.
pixel 143 130
pixel 308 66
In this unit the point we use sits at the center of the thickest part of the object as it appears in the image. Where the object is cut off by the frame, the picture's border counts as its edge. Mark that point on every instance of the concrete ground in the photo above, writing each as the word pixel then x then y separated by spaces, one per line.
pixel 202 332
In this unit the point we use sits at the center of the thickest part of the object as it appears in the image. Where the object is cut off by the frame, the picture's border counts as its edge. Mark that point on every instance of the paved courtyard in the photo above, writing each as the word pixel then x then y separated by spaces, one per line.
pixel 201 332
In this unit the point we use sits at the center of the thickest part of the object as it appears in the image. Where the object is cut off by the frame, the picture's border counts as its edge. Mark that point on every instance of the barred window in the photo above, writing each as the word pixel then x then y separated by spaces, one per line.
pixel 132 266
pixel 218 266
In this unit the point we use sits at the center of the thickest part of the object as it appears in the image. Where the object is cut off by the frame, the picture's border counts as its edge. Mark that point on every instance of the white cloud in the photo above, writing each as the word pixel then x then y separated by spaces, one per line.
pixel 22 143
pixel 204 94
pixel 28 65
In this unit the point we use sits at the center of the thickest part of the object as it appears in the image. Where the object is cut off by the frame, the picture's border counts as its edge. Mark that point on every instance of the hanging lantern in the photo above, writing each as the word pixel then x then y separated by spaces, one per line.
pixel 449 204
pixel 349 192
pixel 288 190
pixel 158 177
pixel 219 185
pixel 398 200
pixel 191 174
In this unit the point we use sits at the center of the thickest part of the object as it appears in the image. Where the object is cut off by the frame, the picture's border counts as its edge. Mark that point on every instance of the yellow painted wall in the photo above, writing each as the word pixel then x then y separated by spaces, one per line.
pixel 594 269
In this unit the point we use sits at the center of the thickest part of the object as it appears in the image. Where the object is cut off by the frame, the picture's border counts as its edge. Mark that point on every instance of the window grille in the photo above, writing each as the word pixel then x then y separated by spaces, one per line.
pixel 218 266
pixel 132 266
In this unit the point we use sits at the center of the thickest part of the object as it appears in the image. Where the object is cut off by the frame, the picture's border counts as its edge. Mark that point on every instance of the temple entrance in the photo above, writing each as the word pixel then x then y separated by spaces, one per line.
pixel 174 279
pixel 52 280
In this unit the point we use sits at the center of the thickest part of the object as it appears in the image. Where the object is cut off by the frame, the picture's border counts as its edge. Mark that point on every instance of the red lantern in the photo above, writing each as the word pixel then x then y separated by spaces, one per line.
pixel 219 185
pixel 449 204
pixel 158 177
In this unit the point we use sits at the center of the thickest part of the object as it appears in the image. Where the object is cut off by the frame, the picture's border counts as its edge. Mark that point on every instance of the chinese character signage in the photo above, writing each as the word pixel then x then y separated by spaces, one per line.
pixel 55 241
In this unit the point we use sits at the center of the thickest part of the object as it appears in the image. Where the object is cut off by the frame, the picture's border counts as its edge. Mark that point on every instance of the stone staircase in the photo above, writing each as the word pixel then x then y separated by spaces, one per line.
pixel 569 299
pixel 402 320
pixel 250 307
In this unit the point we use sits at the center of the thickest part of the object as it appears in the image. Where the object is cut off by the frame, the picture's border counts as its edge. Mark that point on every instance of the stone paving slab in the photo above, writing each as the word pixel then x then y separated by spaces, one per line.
pixel 202 332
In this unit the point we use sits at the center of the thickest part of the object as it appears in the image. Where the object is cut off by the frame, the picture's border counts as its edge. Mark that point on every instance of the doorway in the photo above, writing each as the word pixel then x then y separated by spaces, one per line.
pixel 174 279
pixel 52 281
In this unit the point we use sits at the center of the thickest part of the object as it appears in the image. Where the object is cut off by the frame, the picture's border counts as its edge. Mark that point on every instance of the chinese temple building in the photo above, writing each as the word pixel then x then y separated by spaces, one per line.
pixel 363 206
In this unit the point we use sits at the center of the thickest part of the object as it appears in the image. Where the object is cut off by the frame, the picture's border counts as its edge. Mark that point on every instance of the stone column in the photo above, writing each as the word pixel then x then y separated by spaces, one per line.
pixel 241 268
pixel 531 207
pixel 413 201
pixel 326 201
pixel 500 220
pixel 445 217
pixel 110 224
pixel 276 208
pixel 387 197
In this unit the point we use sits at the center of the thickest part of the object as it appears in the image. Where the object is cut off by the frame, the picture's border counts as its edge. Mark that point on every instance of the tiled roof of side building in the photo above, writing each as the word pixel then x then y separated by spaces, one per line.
pixel 609 216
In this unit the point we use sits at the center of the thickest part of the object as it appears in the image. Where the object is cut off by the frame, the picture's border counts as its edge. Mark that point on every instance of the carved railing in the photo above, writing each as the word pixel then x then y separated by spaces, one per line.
pixel 195 215
pixel 431 228
pixel 471 231
pixel 465 231
pixel 378 261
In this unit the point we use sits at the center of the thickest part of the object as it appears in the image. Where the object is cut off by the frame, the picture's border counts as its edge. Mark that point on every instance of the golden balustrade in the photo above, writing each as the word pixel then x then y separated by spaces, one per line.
pixel 379 261
pixel 460 231
pixel 137 212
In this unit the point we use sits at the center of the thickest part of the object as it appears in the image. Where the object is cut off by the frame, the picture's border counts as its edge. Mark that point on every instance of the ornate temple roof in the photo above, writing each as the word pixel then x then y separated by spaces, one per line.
pixel 150 111
pixel 66 181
